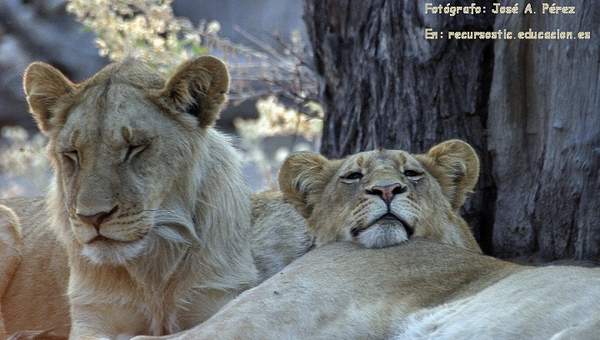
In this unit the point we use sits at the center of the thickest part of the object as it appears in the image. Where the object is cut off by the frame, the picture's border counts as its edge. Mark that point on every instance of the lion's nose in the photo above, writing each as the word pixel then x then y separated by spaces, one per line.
pixel 387 192
pixel 97 219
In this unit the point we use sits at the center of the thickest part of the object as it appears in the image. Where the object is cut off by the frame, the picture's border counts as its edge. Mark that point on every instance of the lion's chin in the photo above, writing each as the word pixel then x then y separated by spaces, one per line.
pixel 113 252
pixel 381 235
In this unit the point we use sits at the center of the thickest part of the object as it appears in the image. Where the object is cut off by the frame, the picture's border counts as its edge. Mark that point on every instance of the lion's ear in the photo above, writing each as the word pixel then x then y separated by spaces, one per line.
pixel 43 86
pixel 455 165
pixel 302 178
pixel 198 87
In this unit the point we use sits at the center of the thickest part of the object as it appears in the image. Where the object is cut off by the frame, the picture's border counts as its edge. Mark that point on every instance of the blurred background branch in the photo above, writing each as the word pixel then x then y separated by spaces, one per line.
pixel 273 98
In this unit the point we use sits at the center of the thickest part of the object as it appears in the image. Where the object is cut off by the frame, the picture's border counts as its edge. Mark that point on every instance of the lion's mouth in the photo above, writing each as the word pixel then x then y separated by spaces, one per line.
pixel 385 219
pixel 104 239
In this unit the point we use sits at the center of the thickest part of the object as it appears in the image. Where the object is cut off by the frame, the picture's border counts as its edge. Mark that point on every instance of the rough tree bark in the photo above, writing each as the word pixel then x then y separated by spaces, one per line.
pixel 544 123
pixel 384 85
pixel 529 108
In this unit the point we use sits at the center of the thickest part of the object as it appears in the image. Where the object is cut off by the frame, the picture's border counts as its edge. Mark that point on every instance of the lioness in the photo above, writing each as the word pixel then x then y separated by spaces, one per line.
pixel 148 204
pixel 421 289
pixel 381 198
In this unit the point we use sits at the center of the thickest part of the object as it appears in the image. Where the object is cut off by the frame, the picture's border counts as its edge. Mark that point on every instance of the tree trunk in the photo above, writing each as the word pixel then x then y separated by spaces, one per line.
pixel 544 123
pixel 384 85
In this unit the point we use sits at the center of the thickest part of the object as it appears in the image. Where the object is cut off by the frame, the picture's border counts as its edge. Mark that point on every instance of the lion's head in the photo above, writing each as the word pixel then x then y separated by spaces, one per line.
pixel 134 155
pixel 384 197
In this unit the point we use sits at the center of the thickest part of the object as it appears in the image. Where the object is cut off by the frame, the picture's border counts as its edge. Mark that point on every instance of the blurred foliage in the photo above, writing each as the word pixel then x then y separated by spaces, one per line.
pixel 24 167
pixel 275 119
pixel 149 30
pixel 144 29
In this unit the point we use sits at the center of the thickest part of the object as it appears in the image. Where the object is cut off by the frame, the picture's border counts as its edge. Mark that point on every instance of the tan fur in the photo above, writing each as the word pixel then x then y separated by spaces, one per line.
pixel 10 253
pixel 279 233
pixel 36 294
pixel 174 242
pixel 37 300
pixel 337 209
pixel 421 289
pixel 418 290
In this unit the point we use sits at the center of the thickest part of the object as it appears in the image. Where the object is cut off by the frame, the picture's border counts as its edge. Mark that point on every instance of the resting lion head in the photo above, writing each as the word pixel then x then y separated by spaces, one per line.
pixel 384 197
pixel 148 199
pixel 135 157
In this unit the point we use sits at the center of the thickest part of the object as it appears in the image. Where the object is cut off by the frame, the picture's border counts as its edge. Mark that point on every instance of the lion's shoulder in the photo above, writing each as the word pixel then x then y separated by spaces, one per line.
pixel 28 248
pixel 9 219
pixel 265 202
pixel 30 212
pixel 279 233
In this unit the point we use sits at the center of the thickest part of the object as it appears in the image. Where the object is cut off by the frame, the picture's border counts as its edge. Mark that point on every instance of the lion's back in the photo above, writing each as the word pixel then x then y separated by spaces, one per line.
pixel 32 301
pixel 530 303
pixel 279 233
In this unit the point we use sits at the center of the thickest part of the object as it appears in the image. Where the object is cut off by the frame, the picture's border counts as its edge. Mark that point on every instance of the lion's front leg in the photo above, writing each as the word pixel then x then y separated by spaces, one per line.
pixel 96 321
pixel 283 307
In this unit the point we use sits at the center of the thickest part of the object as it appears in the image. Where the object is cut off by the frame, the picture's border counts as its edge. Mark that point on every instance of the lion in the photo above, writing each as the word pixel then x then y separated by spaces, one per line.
pixel 10 252
pixel 34 293
pixel 382 198
pixel 147 224
pixel 408 279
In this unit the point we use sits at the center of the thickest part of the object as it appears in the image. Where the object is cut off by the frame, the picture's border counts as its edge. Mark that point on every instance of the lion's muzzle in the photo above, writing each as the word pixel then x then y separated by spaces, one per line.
pixel 97 219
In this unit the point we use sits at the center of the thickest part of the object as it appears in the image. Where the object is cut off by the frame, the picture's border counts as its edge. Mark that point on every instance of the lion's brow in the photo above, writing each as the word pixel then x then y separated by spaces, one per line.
pixel 400 160
pixel 375 158
pixel 134 136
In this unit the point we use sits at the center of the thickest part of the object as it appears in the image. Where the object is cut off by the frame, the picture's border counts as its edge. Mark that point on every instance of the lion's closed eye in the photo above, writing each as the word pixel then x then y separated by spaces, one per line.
pixel 134 150
pixel 351 177
pixel 413 175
